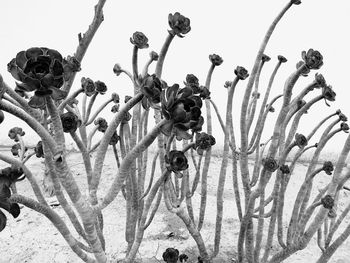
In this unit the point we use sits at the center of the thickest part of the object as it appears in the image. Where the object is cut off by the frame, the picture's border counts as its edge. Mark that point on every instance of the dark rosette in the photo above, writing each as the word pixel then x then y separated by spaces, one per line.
pixel 14 132
pixel 271 109
pixel 117 69
pixel 39 70
pixel 152 88
pixel 312 58
pixel 328 167
pixel 241 73
pixel 204 93
pixel 282 59
pixel 192 82
pixel 295 2
pixel 70 122
pixel 115 108
pixel 342 117
pixel 183 258
pixel 115 139
pixel 265 58
pixel 179 24
pixel 15 149
pixel 21 91
pixel 71 65
pixel 344 127
pixel 203 142
pixel 154 55
pixel 100 87
pixel 39 151
pixel 270 164
pixel 305 70
pixel 8 176
pixel 115 98
pixel 216 60
pixel 176 161
pixel 183 108
pixel 320 80
pixel 285 169
pixel 88 85
pixel 327 201
pixel 171 255
pixel 127 98
pixel 101 123
pixel 139 40
pixel 328 94
pixel 300 140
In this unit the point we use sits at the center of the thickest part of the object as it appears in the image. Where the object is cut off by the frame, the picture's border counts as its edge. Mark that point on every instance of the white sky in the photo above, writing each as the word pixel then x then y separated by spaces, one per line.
pixel 231 28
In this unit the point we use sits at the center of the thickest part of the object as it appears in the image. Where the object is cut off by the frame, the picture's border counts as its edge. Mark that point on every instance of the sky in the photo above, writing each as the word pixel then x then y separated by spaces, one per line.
pixel 230 28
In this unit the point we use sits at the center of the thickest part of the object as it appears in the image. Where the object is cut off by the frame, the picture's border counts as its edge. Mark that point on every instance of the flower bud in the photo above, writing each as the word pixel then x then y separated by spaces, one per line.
pixel 14 132
pixel 171 255
pixel 265 58
pixel 345 127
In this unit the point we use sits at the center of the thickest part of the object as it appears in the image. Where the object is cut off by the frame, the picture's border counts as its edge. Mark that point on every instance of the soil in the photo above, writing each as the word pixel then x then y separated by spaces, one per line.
pixel 31 237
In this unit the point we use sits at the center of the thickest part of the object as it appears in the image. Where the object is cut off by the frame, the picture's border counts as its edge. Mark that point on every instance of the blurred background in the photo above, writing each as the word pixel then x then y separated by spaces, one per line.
pixel 230 28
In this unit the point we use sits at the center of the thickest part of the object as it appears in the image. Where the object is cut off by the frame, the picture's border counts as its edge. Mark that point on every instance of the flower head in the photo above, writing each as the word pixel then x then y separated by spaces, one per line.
pixel 216 59
pixel 241 73
pixel 70 122
pixel 327 201
pixel 342 116
pixel 300 140
pixel 179 24
pixel 270 164
pixel 39 70
pixel 171 255
pixel 312 58
pixel 101 123
pixel 39 151
pixel 328 167
pixel 139 40
pixel 203 142
pixel 176 161
pixel 100 87
pixel 14 132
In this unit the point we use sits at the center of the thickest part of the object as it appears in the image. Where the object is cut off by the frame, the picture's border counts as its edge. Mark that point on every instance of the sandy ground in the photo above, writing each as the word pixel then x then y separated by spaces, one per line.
pixel 31 237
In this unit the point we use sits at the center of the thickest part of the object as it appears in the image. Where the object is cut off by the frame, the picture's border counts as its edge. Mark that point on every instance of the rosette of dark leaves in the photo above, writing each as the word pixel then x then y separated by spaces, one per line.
pixel 183 258
pixel 8 176
pixel 154 55
pixel 312 58
pixel 265 58
pixel 228 84
pixel 39 70
pixel 184 109
pixel 13 132
pixel 282 59
pixel 171 255
pixel 204 93
pixel 328 167
pixel 342 116
pixel 285 169
pixel 270 164
pixel 328 94
pixel 241 73
pixel 15 149
pixel 88 86
pixel 139 40
pixel 327 201
pixel 115 98
pixel 39 151
pixel 193 83
pixel 200 260
pixel 305 70
pixel 152 89
pixel 216 60
pixel 127 98
pixel 176 161
pixel 203 142
pixel 320 80
pixel 114 139
pixel 344 127
pixel 117 69
pixel 100 87
pixel 115 108
pixel 300 140
pixel 70 122
pixel 101 123
pixel 21 92
pixel 179 24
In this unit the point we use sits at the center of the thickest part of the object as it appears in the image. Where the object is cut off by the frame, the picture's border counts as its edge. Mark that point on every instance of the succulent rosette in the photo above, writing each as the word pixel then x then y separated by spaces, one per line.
pixel 328 167
pixel 101 124
pixel 312 58
pixel 13 132
pixel 171 255
pixel 285 169
pixel 100 87
pixel 328 94
pixel 39 150
pixel 15 149
pixel 179 24
pixel 88 86
pixel 216 60
pixel 192 82
pixel 152 89
pixel 139 40
pixel 39 70
pixel 241 73
pixel 184 109
pixel 300 140
pixel 183 258
pixel 282 59
pixel 203 142
pixel 327 201
pixel 176 161
pixel 70 122
pixel 270 164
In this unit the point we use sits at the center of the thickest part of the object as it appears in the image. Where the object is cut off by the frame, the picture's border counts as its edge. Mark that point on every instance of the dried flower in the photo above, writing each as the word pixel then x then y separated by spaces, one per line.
pixel 100 87
pixel 70 122
pixel 270 164
pixel 179 24
pixel 39 151
pixel 327 202
pixel 241 73
pixel 139 39
pixel 88 85
pixel 171 255
pixel 176 161
pixel 328 167
pixel 39 70
pixel 312 58
pixel 203 142
pixel 14 132
pixel 300 140
pixel 101 123
pixel 216 59
pixel 282 59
